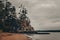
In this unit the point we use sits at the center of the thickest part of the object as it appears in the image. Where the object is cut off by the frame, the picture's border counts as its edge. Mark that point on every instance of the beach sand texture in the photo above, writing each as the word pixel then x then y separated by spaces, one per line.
pixel 12 36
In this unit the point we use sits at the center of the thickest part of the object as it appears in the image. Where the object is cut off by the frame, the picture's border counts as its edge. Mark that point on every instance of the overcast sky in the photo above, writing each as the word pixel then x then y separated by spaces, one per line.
pixel 44 14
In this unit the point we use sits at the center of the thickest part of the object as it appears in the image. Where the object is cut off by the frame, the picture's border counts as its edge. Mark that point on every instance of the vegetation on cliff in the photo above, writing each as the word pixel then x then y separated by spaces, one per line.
pixel 9 21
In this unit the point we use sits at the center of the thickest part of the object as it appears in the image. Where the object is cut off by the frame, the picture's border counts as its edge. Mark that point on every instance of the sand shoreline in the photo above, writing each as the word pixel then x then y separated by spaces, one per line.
pixel 13 36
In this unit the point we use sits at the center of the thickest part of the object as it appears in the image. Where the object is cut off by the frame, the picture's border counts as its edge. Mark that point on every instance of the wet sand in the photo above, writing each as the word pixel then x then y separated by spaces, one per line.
pixel 13 36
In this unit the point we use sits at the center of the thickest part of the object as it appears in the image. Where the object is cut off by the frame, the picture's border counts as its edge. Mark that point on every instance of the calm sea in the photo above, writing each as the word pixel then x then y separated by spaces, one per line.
pixel 52 36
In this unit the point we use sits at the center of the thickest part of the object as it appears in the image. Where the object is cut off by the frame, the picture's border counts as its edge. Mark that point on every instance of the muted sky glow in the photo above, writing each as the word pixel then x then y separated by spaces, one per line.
pixel 44 14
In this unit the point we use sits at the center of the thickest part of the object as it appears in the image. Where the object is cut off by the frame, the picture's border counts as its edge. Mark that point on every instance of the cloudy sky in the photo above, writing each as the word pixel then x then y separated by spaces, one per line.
pixel 44 14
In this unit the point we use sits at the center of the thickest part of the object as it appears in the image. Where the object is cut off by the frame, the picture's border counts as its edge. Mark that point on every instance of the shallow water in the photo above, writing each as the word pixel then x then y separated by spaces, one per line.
pixel 52 36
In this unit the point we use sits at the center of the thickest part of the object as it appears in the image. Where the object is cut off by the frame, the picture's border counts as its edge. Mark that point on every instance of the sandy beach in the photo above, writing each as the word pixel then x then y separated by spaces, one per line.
pixel 13 36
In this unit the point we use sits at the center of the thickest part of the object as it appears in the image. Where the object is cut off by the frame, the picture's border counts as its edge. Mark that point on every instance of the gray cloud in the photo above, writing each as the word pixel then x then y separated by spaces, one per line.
pixel 44 14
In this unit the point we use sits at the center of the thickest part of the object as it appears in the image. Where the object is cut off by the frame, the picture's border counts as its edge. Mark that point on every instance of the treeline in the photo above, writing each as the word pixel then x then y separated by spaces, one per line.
pixel 9 21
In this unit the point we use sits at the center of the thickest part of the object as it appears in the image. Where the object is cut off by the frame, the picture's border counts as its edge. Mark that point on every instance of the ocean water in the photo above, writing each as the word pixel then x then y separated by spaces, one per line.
pixel 51 36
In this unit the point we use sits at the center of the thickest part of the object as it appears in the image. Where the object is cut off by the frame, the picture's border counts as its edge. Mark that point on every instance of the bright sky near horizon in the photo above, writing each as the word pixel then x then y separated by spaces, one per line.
pixel 44 14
